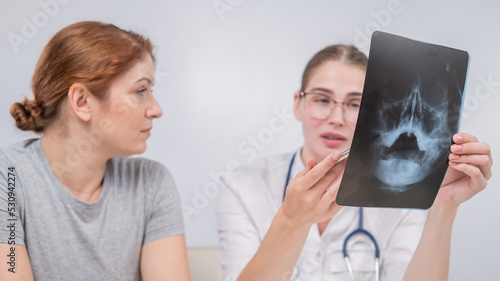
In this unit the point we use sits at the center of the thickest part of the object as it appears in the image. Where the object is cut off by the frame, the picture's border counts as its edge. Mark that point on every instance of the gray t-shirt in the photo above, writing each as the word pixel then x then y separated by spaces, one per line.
pixel 68 239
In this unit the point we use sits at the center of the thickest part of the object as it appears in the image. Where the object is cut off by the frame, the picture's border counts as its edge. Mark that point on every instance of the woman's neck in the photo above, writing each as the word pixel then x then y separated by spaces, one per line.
pixel 78 164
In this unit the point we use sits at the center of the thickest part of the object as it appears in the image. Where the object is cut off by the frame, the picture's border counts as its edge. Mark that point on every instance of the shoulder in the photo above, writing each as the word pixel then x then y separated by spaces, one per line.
pixel 22 156
pixel 17 151
pixel 139 171
pixel 19 168
pixel 255 193
pixel 261 173
pixel 263 179
pixel 138 164
pixel 268 166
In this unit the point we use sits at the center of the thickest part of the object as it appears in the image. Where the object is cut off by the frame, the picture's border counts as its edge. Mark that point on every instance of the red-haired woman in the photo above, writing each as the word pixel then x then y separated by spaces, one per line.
pixel 78 208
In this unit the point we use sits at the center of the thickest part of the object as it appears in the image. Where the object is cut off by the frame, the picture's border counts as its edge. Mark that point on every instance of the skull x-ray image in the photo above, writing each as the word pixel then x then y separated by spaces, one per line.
pixel 411 107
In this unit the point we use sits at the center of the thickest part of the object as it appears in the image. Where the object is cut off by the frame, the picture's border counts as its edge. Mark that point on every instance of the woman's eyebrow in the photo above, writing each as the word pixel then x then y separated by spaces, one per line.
pixel 146 79
pixel 354 94
pixel 324 90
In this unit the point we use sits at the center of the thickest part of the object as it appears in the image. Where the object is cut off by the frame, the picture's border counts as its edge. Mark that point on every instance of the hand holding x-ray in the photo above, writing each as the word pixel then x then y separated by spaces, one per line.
pixel 468 172
pixel 411 108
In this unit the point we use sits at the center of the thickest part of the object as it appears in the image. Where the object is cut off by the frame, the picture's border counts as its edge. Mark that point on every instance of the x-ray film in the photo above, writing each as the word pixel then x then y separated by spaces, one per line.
pixel 411 108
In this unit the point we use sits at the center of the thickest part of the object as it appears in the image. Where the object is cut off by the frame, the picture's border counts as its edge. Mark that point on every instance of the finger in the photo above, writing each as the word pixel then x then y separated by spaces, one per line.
pixel 331 192
pixel 332 176
pixel 335 171
pixel 311 162
pixel 301 173
pixel 481 161
pixel 471 148
pixel 463 138
pixel 477 180
pixel 319 171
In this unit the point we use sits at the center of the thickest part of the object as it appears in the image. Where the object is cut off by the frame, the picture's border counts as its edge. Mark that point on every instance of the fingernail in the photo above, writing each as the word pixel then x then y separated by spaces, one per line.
pixel 336 156
pixel 456 147
pixel 459 137
pixel 454 157
pixel 453 163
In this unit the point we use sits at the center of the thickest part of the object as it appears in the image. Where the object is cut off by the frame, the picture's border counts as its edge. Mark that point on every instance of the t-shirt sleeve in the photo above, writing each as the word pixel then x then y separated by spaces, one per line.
pixel 165 218
pixel 12 231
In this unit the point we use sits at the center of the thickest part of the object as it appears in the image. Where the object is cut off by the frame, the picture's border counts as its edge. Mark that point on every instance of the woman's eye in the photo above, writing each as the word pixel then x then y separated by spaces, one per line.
pixel 142 91
pixel 322 101
pixel 354 104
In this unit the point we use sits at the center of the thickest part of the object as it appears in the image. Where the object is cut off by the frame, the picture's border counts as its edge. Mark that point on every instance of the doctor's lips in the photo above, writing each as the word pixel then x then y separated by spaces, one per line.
pixel 333 139
pixel 405 147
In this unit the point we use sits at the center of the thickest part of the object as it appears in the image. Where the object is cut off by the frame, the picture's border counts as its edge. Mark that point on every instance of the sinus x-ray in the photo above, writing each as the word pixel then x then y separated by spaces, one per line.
pixel 411 107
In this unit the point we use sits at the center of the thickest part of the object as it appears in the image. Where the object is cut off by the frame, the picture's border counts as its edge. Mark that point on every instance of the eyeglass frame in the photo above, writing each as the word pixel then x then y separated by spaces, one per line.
pixel 303 94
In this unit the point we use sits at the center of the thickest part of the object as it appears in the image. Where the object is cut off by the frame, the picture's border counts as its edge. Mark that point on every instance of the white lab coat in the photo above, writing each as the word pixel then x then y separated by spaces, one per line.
pixel 249 201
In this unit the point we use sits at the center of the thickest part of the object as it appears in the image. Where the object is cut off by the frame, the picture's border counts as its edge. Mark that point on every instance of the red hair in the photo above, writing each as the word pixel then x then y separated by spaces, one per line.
pixel 91 53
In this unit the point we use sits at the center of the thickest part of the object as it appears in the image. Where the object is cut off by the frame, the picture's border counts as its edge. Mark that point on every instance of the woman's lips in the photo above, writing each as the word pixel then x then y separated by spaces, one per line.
pixel 333 139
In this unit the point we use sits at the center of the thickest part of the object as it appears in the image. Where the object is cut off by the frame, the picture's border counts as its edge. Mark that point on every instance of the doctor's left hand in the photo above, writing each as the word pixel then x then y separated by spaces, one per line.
pixel 469 170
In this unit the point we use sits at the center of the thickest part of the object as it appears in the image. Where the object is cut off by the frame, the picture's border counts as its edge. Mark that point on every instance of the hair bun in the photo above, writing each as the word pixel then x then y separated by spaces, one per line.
pixel 26 115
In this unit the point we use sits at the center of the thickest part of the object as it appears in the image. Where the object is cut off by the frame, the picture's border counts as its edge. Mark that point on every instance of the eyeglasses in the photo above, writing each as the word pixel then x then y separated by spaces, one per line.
pixel 320 106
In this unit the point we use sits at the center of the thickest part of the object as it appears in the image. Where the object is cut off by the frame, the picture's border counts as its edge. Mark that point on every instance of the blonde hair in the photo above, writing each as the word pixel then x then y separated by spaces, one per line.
pixel 345 53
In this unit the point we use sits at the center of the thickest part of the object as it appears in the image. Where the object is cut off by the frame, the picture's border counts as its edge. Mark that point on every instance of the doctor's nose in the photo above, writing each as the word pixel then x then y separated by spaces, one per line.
pixel 336 116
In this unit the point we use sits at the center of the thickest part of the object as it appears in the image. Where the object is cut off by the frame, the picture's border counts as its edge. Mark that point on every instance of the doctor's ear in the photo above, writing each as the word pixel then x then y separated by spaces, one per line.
pixel 296 106
pixel 79 99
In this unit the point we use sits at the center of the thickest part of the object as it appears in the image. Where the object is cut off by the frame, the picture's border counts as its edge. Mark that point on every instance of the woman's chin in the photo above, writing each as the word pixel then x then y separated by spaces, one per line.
pixel 140 149
pixel 129 151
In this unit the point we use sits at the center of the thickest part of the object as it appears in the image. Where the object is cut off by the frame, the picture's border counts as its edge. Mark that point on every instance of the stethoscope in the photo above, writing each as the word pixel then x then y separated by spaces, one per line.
pixel 359 230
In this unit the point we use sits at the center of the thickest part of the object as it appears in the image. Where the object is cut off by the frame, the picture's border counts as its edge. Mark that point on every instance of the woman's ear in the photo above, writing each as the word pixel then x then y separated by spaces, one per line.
pixel 296 104
pixel 79 100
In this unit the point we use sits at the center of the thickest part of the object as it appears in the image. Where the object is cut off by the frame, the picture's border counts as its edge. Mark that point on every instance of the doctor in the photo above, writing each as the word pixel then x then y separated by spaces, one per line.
pixel 265 235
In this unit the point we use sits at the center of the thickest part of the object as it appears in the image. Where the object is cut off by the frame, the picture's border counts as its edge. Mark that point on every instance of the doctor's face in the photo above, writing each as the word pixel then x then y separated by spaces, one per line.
pixel 329 106
pixel 130 109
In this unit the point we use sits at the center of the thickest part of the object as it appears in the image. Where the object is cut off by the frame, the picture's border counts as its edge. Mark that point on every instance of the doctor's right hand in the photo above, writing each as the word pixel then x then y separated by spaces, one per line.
pixel 310 196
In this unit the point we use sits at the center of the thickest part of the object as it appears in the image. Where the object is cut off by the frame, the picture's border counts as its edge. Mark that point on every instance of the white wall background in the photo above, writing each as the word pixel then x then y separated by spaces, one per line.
pixel 222 75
